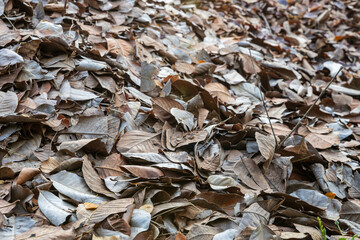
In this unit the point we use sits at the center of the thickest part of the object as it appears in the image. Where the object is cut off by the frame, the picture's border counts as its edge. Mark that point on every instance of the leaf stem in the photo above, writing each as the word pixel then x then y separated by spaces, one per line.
pixel 262 98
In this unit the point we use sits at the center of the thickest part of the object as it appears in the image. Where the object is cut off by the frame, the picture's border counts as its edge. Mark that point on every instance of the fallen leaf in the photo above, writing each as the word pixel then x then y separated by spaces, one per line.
pixel 93 180
pixel 267 146
pixel 74 187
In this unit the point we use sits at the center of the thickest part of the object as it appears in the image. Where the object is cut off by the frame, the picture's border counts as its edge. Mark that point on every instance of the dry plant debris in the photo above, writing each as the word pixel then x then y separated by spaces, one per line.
pixel 124 119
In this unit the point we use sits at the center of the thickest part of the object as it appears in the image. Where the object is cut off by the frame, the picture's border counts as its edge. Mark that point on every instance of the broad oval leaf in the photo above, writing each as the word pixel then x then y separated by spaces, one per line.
pixel 8 103
pixel 75 187
pixel 138 141
pixel 55 209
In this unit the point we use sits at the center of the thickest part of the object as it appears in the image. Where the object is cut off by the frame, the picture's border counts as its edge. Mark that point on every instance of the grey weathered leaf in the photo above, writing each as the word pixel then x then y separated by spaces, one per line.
pixel 253 216
pixel 118 184
pixel 55 209
pixel 228 234
pixel 11 230
pixel 139 95
pixel 140 222
pixel 147 157
pixel 350 210
pixel 88 64
pixel 148 71
pixel 74 187
pixel 233 77
pixel 184 117
pixel 93 125
pixel 69 93
pixel 247 90
pixel 2 5
pixel 32 70
pixel 8 102
pixel 9 57
pixel 22 150
pixel 39 13
pixel 106 82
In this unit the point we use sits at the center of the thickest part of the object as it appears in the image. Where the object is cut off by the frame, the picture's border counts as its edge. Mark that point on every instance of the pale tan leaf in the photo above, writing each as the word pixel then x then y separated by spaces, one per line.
pixel 266 144
pixel 323 141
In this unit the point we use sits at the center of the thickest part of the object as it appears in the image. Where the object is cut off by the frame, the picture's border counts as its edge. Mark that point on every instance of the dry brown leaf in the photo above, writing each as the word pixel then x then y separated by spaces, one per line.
pixel 93 180
pixel 162 107
pixel 143 171
pixel 138 141
pixel 27 174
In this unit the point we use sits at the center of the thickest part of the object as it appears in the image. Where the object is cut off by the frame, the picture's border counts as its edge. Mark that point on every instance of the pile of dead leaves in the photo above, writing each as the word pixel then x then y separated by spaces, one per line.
pixel 124 119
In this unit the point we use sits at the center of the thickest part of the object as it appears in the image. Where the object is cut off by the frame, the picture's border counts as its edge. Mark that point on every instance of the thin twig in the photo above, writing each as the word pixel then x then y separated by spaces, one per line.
pixel 262 97
pixel 307 112
pixel 14 28
pixel 52 139
pixel 65 5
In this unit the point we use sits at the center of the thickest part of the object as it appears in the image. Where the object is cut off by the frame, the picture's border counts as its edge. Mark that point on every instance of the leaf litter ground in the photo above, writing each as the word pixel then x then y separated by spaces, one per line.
pixel 144 119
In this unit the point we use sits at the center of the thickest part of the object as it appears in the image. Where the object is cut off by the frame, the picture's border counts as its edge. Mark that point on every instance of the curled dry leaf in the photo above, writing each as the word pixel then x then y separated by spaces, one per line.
pixel 8 103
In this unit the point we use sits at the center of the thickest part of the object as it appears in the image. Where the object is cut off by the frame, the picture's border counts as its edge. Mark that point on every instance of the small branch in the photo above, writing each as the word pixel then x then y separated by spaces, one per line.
pixel 65 5
pixel 112 63
pixel 262 97
pixel 307 112
pixel 14 28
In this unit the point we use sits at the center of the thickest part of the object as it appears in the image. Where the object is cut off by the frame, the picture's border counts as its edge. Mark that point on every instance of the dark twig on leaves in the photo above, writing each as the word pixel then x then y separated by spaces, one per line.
pixel 65 6
pixel 307 112
pixel 262 97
